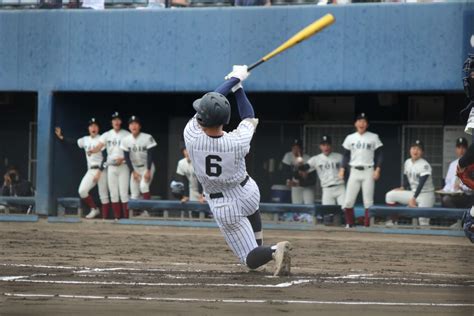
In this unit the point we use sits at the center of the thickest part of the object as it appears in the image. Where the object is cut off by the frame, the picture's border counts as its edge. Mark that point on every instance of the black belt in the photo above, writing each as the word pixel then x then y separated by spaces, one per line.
pixel 219 195
pixel 94 167
pixel 334 185
pixel 140 166
pixel 361 167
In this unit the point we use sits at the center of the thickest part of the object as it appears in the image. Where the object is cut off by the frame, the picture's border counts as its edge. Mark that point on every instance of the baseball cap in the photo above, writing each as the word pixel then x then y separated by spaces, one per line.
pixel 135 119
pixel 461 141
pixel 325 139
pixel 418 143
pixel 362 116
pixel 93 121
pixel 297 142
pixel 115 115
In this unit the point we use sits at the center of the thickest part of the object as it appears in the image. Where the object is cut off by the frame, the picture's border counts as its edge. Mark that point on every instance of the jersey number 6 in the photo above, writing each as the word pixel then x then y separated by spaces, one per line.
pixel 213 169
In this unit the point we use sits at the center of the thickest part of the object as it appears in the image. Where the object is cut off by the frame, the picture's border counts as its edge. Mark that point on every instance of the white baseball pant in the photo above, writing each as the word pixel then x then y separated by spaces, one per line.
pixel 87 184
pixel 118 178
pixel 230 213
pixel 194 195
pixel 141 186
pixel 424 199
pixel 302 195
pixel 360 179
pixel 334 195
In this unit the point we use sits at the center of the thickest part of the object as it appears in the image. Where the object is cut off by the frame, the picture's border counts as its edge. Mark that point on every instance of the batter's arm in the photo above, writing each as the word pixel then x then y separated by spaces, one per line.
pixel 227 86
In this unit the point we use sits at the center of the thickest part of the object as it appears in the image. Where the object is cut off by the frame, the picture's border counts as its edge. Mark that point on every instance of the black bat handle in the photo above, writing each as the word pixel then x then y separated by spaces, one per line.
pixel 254 65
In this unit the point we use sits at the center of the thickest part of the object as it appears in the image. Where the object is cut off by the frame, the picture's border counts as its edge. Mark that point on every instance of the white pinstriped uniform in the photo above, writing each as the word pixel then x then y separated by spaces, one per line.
pixel 219 164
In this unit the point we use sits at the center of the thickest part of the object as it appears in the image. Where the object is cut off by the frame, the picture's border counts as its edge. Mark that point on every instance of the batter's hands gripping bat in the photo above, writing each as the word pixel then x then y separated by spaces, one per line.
pixel 305 33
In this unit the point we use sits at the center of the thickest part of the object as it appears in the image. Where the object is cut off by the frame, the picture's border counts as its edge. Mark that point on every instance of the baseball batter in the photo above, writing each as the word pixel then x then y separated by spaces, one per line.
pixel 96 174
pixel 138 154
pixel 218 158
pixel 363 155
pixel 117 170
pixel 185 171
pixel 327 165
pixel 417 189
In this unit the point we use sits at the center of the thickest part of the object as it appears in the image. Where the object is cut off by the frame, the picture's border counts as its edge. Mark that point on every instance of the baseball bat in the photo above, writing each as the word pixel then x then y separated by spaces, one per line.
pixel 305 33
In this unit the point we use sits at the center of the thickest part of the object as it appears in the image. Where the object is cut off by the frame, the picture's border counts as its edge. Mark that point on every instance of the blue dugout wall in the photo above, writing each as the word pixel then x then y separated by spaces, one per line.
pixel 392 47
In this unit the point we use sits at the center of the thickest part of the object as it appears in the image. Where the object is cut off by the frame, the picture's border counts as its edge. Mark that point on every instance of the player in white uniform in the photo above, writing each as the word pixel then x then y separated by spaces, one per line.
pixel 96 174
pixel 327 165
pixel 185 174
pixel 290 163
pixel 218 158
pixel 137 149
pixel 417 189
pixel 117 170
pixel 363 155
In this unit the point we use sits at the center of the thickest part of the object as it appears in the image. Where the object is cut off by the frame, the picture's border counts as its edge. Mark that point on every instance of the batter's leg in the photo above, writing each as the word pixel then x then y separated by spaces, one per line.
pixel 250 205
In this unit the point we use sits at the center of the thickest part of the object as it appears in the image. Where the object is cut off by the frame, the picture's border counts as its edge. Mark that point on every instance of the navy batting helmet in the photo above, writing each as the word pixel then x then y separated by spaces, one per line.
pixel 213 109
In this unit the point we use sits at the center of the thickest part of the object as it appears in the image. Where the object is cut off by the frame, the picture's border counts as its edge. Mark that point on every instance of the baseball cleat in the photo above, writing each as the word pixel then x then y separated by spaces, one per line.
pixel 282 259
pixel 93 213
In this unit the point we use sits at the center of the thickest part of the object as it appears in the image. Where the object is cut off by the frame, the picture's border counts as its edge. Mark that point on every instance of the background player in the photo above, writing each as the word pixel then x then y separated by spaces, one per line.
pixel 219 162
pixel 96 174
pixel 289 166
pixel 118 172
pixel 185 174
pixel 137 148
pixel 417 189
pixel 362 152
pixel 327 165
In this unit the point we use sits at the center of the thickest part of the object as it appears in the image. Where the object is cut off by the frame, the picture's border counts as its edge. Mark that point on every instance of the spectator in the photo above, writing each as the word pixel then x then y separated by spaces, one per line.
pixel 14 185
pixel 185 174
pixel 289 166
pixel 327 165
pixel 93 4
pixel 417 189
pixel 455 194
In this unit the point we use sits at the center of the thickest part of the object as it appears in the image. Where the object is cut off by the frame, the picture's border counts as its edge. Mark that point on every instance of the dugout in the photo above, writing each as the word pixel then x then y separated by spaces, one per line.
pixel 397 117
pixel 18 138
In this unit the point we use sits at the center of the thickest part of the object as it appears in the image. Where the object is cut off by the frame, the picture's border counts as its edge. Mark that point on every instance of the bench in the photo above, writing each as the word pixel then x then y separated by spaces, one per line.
pixel 27 201
pixel 69 202
pixel 273 208
pixel 414 213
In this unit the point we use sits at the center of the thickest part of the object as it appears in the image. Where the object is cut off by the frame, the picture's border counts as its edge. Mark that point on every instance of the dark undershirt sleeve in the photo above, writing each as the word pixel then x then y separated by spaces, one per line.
pixel 104 159
pixel 200 189
pixel 149 158
pixel 287 171
pixel 468 157
pixel 185 182
pixel 243 104
pixel 406 183
pixel 126 155
pixel 378 157
pixel 346 158
pixel 227 86
pixel 420 185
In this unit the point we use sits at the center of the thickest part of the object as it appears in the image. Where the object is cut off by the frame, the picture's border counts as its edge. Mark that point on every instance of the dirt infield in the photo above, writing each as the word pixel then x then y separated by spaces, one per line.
pixel 100 268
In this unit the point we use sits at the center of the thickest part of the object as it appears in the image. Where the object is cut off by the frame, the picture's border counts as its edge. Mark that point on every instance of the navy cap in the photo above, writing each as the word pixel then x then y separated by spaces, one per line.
pixel 93 121
pixel 362 116
pixel 325 139
pixel 135 119
pixel 461 141
pixel 115 115
pixel 418 143
pixel 297 142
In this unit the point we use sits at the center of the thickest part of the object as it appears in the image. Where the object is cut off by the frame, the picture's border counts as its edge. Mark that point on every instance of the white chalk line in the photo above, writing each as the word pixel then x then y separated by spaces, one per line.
pixel 234 301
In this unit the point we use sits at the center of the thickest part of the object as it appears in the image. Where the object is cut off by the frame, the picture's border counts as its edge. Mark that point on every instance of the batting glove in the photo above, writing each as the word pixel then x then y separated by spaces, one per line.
pixel 236 87
pixel 238 71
